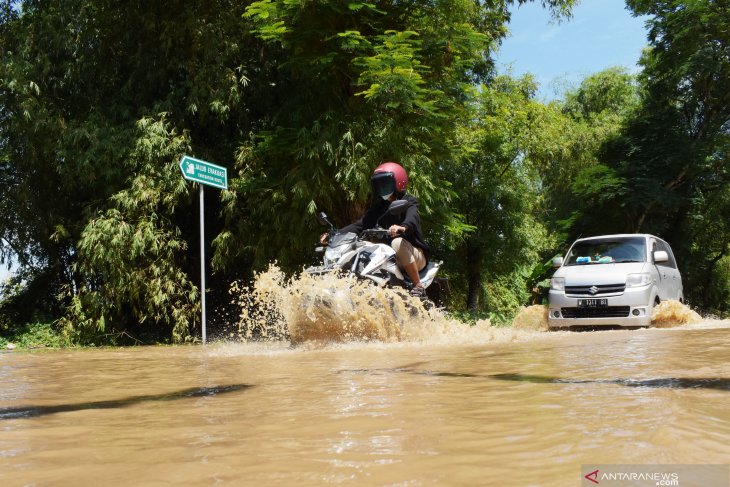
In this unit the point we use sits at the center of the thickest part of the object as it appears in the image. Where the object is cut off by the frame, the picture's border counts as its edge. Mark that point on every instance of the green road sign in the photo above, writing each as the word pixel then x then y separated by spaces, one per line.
pixel 204 172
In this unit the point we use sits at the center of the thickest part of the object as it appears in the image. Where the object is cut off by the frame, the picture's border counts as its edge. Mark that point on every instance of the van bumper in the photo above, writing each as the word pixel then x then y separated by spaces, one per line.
pixel 632 308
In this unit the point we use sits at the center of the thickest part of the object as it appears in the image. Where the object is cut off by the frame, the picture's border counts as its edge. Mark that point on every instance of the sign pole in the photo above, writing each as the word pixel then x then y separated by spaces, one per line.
pixel 202 260
pixel 205 174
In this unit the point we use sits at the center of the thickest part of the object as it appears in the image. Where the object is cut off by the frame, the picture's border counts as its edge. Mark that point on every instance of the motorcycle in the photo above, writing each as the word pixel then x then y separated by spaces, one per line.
pixel 369 256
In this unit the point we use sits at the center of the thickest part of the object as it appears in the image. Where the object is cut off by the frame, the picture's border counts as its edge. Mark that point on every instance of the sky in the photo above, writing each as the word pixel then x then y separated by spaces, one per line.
pixel 601 34
pixel 4 272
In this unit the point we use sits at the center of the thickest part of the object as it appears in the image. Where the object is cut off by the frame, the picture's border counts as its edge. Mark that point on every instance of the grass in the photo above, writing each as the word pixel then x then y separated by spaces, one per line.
pixel 32 335
pixel 471 317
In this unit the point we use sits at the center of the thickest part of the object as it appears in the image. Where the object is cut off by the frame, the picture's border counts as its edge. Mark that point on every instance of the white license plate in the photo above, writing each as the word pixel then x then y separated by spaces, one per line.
pixel 593 303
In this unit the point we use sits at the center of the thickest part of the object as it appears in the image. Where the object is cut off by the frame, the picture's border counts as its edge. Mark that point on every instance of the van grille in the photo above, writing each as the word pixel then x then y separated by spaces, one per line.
pixel 601 289
pixel 608 312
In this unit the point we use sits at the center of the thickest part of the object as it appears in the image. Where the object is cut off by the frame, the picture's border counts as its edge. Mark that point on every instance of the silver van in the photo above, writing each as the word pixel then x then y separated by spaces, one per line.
pixel 613 280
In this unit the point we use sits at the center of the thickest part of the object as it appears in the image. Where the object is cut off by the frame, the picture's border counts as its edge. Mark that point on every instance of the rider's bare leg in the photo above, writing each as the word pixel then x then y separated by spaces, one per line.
pixel 412 271
pixel 408 259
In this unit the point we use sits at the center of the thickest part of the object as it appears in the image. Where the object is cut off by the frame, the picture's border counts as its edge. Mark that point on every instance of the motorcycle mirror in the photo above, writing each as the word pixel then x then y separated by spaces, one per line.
pixel 322 218
pixel 398 206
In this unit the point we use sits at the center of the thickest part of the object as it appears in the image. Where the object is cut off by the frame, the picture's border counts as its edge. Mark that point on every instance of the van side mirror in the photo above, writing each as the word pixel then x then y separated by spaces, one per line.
pixel 398 206
pixel 661 256
pixel 557 262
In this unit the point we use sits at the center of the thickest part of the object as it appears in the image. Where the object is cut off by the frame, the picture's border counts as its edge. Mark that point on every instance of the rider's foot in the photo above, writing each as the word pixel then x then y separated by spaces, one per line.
pixel 418 291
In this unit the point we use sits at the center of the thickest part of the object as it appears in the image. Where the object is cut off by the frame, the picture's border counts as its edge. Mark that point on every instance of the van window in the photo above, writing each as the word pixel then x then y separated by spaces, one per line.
pixel 661 245
pixel 607 251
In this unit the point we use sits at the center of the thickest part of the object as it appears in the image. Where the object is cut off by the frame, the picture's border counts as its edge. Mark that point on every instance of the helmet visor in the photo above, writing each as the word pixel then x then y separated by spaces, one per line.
pixel 383 184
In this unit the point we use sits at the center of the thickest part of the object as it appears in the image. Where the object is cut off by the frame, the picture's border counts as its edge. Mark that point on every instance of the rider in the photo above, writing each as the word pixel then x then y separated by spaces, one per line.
pixel 388 183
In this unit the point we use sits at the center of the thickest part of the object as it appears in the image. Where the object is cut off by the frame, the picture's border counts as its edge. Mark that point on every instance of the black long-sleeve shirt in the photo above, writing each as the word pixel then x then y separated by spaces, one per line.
pixel 378 215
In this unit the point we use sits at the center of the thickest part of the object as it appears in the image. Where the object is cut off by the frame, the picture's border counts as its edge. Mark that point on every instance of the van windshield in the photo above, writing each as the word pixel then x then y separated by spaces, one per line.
pixel 607 251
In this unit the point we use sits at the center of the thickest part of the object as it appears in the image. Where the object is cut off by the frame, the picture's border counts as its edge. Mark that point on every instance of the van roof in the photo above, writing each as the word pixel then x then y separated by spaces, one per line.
pixel 618 235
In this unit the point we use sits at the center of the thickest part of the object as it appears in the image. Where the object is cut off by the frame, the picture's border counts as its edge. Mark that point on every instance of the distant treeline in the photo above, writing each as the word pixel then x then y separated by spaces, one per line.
pixel 300 100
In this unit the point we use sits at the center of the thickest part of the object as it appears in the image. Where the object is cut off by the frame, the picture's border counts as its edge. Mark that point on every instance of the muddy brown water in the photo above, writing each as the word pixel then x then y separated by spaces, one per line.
pixel 497 407
pixel 363 386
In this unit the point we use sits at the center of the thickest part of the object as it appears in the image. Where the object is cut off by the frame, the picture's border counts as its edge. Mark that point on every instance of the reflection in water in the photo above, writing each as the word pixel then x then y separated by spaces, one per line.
pixel 668 383
pixel 33 411
pixel 719 383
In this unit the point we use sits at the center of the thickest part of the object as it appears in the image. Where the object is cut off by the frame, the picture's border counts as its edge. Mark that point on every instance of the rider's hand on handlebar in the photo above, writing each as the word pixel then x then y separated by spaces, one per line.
pixel 395 230
pixel 324 238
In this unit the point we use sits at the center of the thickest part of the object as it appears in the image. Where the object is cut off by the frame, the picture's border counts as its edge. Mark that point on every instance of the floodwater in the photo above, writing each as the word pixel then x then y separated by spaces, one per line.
pixel 515 408
pixel 352 387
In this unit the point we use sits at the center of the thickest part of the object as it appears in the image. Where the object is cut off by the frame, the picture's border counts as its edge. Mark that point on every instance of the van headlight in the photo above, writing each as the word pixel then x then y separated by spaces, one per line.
pixel 638 280
pixel 557 284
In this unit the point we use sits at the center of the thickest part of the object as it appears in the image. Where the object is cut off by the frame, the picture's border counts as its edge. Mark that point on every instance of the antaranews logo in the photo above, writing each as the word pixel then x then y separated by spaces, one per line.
pixel 593 476
pixel 656 475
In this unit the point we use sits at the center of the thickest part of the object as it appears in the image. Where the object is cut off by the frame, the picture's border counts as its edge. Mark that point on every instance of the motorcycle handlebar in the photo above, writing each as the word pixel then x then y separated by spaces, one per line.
pixel 381 233
pixel 375 233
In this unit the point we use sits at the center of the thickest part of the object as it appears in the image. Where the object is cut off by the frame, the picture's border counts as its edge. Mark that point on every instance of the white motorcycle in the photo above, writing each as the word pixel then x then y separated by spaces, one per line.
pixel 367 256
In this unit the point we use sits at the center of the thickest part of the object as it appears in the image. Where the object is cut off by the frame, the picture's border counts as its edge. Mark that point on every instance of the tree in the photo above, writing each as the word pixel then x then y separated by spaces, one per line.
pixel 130 254
pixel 77 78
pixel 494 183
pixel 578 185
pixel 300 99
pixel 668 166
pixel 360 83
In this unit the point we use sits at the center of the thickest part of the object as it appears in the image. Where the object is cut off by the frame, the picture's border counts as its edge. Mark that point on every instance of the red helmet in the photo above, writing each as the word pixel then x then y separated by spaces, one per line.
pixel 388 178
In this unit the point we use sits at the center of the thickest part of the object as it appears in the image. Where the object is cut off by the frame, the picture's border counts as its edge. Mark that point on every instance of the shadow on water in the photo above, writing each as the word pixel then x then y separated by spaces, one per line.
pixel 34 411
pixel 717 383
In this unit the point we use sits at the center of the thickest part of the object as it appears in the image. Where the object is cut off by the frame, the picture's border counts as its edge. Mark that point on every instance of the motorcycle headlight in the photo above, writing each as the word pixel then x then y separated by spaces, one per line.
pixel 638 280
pixel 557 284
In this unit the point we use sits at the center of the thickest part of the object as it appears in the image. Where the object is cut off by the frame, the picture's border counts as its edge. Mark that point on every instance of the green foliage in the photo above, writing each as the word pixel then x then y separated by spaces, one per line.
pixel 599 183
pixel 21 297
pixel 472 317
pixel 301 100
pixel 610 93
pixel 706 264
pixel 393 75
pixel 538 281
pixel 497 193
pixel 666 171
pixel 360 84
pixel 305 98
pixel 33 335
pixel 130 253
pixel 571 147
pixel 76 76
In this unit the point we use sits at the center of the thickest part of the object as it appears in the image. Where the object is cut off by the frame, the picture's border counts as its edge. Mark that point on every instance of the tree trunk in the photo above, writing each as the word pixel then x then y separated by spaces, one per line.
pixel 474 276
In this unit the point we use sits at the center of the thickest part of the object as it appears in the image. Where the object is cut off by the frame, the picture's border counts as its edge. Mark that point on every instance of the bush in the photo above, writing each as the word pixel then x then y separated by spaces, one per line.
pixel 32 335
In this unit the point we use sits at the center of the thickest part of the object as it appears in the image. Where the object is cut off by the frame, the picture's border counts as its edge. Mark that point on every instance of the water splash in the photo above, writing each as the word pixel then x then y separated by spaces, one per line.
pixel 338 308
pixel 533 317
pixel 672 313
pixel 667 314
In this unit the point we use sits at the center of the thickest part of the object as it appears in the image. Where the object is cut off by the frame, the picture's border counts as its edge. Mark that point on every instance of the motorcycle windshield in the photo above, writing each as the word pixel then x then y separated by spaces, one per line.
pixel 342 239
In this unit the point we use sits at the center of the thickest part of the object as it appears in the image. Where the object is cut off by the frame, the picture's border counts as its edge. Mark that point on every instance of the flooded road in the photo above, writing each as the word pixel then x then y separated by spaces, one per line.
pixel 517 408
